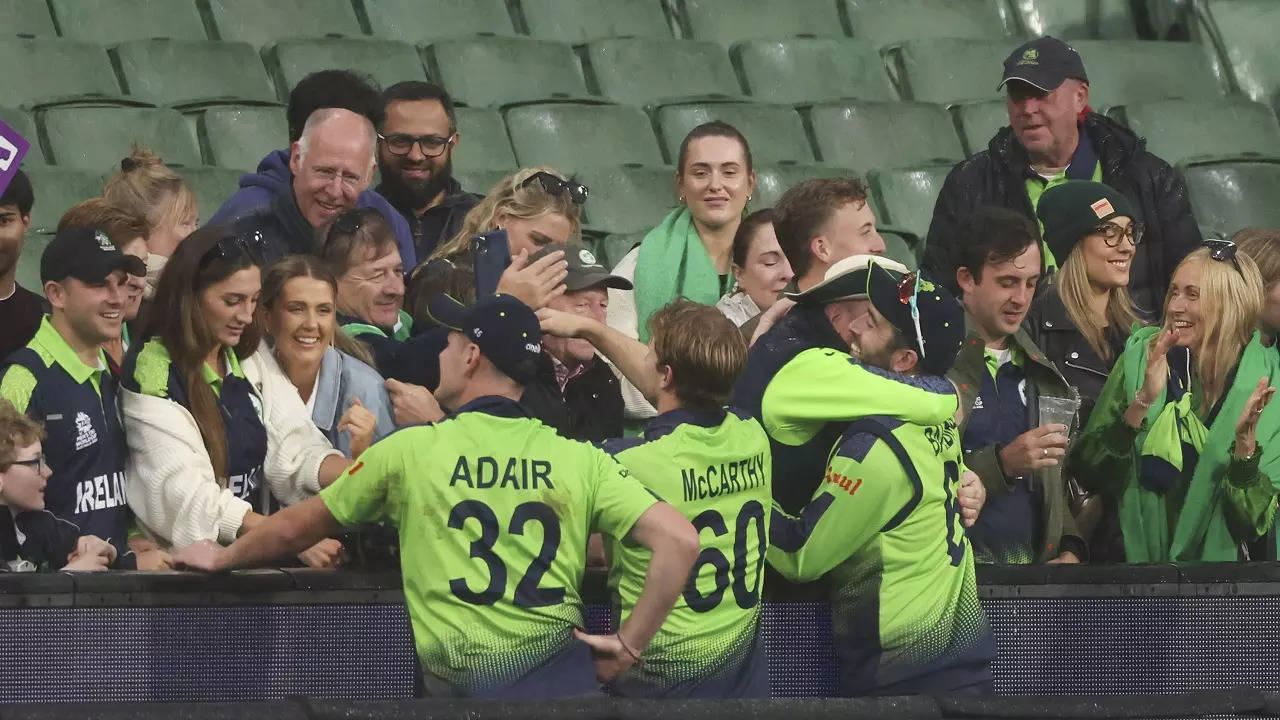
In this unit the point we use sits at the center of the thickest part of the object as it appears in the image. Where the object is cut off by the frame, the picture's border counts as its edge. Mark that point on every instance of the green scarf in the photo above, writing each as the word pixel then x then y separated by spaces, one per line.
pixel 1200 531
pixel 672 263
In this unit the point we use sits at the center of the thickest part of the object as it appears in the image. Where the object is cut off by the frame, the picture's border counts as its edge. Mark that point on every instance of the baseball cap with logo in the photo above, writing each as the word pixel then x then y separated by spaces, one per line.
pixel 1044 63
pixel 87 255
pixel 506 330
pixel 845 280
pixel 584 270
pixel 937 333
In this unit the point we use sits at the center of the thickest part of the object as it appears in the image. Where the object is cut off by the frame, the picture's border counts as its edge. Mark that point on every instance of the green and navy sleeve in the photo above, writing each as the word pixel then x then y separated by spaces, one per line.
pixel 864 488
pixel 371 489
pixel 821 386
pixel 620 499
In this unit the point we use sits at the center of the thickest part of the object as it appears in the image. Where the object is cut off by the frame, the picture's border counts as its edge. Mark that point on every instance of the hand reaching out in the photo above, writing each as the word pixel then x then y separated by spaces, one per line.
pixel 537 283
pixel 1247 425
pixel 972 496
pixel 412 404
pixel 360 423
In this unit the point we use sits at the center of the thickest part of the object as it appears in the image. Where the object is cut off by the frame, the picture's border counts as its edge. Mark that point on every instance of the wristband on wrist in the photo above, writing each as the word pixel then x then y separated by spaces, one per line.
pixel 1138 401
pixel 630 652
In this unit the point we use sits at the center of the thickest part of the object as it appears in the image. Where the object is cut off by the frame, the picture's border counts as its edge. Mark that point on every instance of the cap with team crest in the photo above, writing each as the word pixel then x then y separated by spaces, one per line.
pixel 1043 63
pixel 584 270
pixel 929 316
pixel 506 330
pixel 87 255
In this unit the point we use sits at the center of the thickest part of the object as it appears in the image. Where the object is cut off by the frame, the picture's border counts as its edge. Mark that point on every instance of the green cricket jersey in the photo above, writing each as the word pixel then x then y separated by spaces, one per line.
pixel 714 467
pixel 885 523
pixel 494 511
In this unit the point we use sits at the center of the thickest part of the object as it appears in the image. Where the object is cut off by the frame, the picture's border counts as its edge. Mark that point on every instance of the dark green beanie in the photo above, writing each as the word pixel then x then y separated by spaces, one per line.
pixel 1073 209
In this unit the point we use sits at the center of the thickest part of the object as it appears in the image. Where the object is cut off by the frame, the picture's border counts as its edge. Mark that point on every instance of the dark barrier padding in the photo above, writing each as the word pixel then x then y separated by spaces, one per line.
pixel 1238 701
pixel 908 708
pixel 284 710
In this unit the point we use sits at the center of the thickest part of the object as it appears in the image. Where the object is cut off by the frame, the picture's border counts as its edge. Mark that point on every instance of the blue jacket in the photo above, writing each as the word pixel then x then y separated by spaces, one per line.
pixel 273 178
pixel 341 379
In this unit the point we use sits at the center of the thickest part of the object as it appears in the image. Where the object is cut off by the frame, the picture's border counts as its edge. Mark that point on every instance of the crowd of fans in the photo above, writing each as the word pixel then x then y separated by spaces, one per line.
pixel 1073 375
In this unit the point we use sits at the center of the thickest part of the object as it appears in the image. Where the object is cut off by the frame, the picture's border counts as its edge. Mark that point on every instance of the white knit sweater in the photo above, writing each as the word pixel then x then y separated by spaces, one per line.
pixel 170 482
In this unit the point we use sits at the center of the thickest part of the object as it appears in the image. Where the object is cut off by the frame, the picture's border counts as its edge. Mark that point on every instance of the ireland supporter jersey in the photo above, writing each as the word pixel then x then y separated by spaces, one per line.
pixel 494 511
pixel 885 523
pixel 714 467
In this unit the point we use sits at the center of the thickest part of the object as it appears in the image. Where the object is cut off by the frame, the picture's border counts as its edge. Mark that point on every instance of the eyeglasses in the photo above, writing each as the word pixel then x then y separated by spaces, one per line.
pixel 430 145
pixel 1112 233
pixel 1222 251
pixel 235 247
pixel 34 463
pixel 557 186
pixel 908 289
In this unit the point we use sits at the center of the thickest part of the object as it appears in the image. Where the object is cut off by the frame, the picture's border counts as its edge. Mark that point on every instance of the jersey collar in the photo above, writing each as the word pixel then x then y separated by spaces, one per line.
pixel 233 368
pixel 495 405
pixel 48 338
pixel 669 421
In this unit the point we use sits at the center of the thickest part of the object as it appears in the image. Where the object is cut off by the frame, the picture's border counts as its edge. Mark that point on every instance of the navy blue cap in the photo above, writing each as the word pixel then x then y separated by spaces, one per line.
pixel 1044 63
pixel 941 315
pixel 506 330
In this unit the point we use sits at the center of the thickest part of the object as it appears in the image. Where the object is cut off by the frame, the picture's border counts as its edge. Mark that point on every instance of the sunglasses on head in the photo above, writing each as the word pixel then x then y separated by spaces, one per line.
pixel 1222 251
pixel 553 185
pixel 237 246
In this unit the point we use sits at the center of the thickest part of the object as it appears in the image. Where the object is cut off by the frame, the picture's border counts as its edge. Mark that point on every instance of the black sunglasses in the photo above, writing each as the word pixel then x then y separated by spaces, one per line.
pixel 430 145
pixel 234 247
pixel 1222 251
pixel 558 186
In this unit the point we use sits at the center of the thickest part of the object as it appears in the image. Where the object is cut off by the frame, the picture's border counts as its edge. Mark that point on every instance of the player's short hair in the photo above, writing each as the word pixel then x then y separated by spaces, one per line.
pixel 993 235
pixel 804 208
pixel 704 350
pixel 16 431
pixel 120 225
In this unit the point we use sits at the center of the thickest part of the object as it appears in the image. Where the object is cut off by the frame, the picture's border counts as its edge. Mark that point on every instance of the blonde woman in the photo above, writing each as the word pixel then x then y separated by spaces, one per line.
pixel 1262 245
pixel 1182 436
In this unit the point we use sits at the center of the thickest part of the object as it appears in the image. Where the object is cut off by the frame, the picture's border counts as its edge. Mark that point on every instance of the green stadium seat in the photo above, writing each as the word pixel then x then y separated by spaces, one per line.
pixel 113 21
pixel 891 21
pixel 495 71
pixel 907 196
pixel 95 138
pixel 69 71
pixel 56 189
pixel 650 72
pixel 184 74
pixel 212 186
pixel 1246 30
pixel 262 23
pixel 571 137
pixel 386 61
pixel 946 70
pixel 866 136
pixel 26 17
pixel 628 199
pixel 1103 19
pixel 422 22
pixel 1230 195
pixel 612 248
pixel 28 272
pixel 901 246
pixel 239 137
pixel 1178 130
pixel 773 180
pixel 730 21
pixel 979 121
pixel 479 181
pixel 774 132
pixel 812 70
pixel 482 142
pixel 1139 70
pixel 581 21
pixel 26 127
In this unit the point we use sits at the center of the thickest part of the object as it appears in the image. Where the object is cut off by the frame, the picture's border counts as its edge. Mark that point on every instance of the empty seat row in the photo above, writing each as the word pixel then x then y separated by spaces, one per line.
pixel 424 21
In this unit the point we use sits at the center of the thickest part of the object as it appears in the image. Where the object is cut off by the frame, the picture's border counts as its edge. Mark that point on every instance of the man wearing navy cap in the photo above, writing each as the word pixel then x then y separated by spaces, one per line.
pixel 1054 136
pixel 63 379
pixel 494 511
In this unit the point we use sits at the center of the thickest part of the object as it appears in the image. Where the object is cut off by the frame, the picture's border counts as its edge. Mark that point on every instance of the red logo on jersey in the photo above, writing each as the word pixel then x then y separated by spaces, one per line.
pixel 845 483
pixel 354 468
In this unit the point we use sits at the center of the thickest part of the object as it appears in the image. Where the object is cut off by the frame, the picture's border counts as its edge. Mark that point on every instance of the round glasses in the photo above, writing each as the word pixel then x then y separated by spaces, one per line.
pixel 1112 233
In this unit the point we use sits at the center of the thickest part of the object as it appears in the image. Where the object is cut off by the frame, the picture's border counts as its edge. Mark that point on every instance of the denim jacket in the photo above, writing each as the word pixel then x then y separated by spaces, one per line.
pixel 343 378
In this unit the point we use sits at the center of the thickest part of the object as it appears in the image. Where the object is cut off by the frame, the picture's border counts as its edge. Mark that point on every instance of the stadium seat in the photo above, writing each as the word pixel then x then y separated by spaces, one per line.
pixel 774 132
pixel 26 17
pixel 649 72
pixel 239 137
pixel 1139 70
pixel 498 71
pixel 979 122
pixel 95 138
pixel 581 21
pixel 386 61
pixel 262 23
pixel 421 22
pixel 28 272
pixel 483 143
pixel 212 186
pixel 812 70
pixel 901 246
pixel 1178 130
pixel 875 135
pixel 773 180
pixel 885 22
pixel 1246 30
pixel 56 189
pixel 731 21
pixel 1228 196
pixel 26 127
pixel 571 137
pixel 628 199
pixel 69 71
pixel 950 70
pixel 113 21
pixel 479 181
pixel 611 249
pixel 907 196
pixel 184 74
pixel 1104 19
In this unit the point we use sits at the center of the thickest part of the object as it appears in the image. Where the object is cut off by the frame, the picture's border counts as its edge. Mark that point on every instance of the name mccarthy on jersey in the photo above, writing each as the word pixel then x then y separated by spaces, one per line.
pixel 725 478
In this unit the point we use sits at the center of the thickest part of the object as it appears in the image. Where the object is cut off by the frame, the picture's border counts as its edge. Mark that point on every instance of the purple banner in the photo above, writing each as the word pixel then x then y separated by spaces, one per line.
pixel 13 147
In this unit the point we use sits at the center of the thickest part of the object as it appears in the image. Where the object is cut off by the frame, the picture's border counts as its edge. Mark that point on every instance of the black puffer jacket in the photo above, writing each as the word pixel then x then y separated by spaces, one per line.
pixel 997 176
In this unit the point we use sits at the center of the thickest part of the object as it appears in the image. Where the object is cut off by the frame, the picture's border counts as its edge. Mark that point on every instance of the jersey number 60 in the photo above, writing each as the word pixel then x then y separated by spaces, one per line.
pixel 745 596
